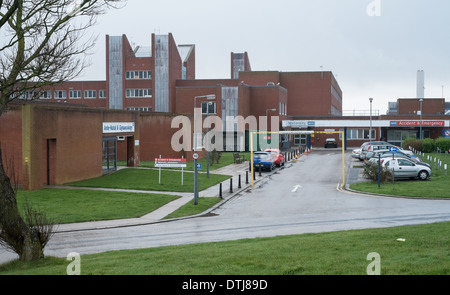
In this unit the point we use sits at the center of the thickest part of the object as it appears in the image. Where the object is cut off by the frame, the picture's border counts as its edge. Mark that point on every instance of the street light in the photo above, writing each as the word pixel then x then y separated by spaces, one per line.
pixel 370 130
pixel 420 126
pixel 209 97
pixel 267 123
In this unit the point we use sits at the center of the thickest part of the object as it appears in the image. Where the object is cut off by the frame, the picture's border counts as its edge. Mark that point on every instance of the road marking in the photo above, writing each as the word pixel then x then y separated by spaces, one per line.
pixel 296 187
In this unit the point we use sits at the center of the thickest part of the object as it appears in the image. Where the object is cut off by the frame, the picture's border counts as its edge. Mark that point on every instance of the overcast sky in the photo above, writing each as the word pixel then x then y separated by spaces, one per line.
pixel 373 47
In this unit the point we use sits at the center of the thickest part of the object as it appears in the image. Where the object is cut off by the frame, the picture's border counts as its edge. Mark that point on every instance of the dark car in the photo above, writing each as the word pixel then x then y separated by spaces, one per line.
pixel 264 160
pixel 330 143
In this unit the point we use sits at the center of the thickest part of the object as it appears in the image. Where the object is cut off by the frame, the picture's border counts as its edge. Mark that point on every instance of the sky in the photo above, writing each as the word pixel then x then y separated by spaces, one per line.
pixel 373 47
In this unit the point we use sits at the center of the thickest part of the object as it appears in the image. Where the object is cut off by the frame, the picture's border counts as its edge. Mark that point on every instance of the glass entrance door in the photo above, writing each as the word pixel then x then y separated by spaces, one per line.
pixel 109 154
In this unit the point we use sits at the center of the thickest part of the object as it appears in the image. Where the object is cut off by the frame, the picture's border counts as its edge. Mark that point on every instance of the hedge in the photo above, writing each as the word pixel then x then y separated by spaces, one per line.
pixel 427 145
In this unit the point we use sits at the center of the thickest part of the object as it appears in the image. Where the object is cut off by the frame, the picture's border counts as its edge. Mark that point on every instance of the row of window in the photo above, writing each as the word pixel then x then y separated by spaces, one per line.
pixel 76 94
pixel 138 75
pixel 282 109
pixel 139 93
pixel 61 94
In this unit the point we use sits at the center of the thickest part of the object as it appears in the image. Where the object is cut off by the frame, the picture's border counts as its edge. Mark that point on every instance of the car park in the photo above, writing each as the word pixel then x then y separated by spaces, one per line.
pixel 330 143
pixel 278 156
pixel 405 168
pixel 263 160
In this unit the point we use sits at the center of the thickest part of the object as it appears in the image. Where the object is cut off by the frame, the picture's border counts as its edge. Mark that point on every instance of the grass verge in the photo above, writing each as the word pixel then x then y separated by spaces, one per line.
pixel 79 205
pixel 425 251
pixel 148 179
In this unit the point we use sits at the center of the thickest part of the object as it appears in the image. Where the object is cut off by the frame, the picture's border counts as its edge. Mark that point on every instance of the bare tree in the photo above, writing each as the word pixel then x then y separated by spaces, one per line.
pixel 42 42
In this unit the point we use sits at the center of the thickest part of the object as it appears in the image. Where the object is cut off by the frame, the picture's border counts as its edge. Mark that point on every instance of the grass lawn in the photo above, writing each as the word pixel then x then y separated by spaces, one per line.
pixel 148 179
pixel 437 187
pixel 425 251
pixel 67 206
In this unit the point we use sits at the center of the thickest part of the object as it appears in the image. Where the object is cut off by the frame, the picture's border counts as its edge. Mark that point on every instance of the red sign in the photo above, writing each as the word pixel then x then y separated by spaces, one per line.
pixel 168 162
pixel 418 123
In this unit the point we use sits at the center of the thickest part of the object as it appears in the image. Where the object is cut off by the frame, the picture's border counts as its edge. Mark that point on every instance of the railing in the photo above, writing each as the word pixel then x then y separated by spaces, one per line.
pixel 360 113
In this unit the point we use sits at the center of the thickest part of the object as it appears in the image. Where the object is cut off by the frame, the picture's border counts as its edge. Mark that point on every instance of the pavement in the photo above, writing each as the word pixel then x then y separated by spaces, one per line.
pixel 228 192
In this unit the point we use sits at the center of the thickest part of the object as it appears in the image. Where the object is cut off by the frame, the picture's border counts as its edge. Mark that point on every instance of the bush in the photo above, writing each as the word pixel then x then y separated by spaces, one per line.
pixel 442 143
pixel 371 172
pixel 427 145
pixel 414 143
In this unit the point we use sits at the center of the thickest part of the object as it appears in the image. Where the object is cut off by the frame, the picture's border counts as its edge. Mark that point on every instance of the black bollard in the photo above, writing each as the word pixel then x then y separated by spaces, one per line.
pixel 246 177
pixel 239 181
pixel 231 185
pixel 220 191
pixel 259 169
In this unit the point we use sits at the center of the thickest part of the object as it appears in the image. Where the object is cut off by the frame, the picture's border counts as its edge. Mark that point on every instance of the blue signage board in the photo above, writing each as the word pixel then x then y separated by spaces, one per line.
pixel 446 133
pixel 199 166
pixel 393 149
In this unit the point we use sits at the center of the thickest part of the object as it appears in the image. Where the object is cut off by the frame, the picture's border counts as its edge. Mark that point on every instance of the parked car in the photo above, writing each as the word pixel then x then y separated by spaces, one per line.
pixel 374 147
pixel 330 143
pixel 264 160
pixel 384 154
pixel 366 144
pixel 278 156
pixel 356 153
pixel 405 168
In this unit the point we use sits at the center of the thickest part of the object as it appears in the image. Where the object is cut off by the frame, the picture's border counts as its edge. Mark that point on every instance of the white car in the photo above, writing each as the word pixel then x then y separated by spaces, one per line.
pixel 404 168
pixel 356 153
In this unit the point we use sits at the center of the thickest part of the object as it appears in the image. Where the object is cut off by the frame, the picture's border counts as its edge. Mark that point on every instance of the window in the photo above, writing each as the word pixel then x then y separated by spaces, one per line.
pixel 139 93
pixel 60 94
pixel 403 162
pixel 74 94
pixel 208 107
pixel 360 134
pixel 102 94
pixel 45 94
pixel 138 75
pixel 141 109
pixel 89 94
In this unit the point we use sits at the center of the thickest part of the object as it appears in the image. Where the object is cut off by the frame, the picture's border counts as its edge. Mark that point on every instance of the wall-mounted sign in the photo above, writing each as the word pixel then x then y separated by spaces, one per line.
pixel 298 123
pixel 118 127
pixel 411 123
pixel 446 133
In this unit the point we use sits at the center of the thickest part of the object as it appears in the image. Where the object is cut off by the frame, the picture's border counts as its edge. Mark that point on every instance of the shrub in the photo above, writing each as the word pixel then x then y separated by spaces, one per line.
pixel 442 143
pixel 408 142
pixel 371 172
pixel 427 145
pixel 414 143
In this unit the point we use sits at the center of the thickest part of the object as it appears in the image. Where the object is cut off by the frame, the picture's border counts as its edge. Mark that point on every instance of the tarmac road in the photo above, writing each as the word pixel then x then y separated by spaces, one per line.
pixel 301 198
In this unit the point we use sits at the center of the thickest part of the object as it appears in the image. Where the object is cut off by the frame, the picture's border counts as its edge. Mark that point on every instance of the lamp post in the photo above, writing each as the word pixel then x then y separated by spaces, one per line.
pixel 267 123
pixel 370 130
pixel 420 126
pixel 209 97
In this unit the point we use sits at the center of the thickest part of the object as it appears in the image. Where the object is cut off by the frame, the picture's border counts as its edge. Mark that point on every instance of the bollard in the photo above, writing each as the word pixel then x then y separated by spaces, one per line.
pixel 246 177
pixel 231 185
pixel 220 191
pixel 259 169
pixel 239 181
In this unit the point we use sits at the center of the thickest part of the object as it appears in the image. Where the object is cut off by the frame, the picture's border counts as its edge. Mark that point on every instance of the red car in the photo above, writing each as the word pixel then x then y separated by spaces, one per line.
pixel 277 155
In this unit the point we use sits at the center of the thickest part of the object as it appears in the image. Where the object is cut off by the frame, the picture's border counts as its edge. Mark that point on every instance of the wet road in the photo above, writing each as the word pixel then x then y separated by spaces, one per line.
pixel 301 198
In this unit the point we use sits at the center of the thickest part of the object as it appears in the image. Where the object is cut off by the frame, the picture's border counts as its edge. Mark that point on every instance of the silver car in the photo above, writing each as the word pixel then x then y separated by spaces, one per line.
pixel 405 168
